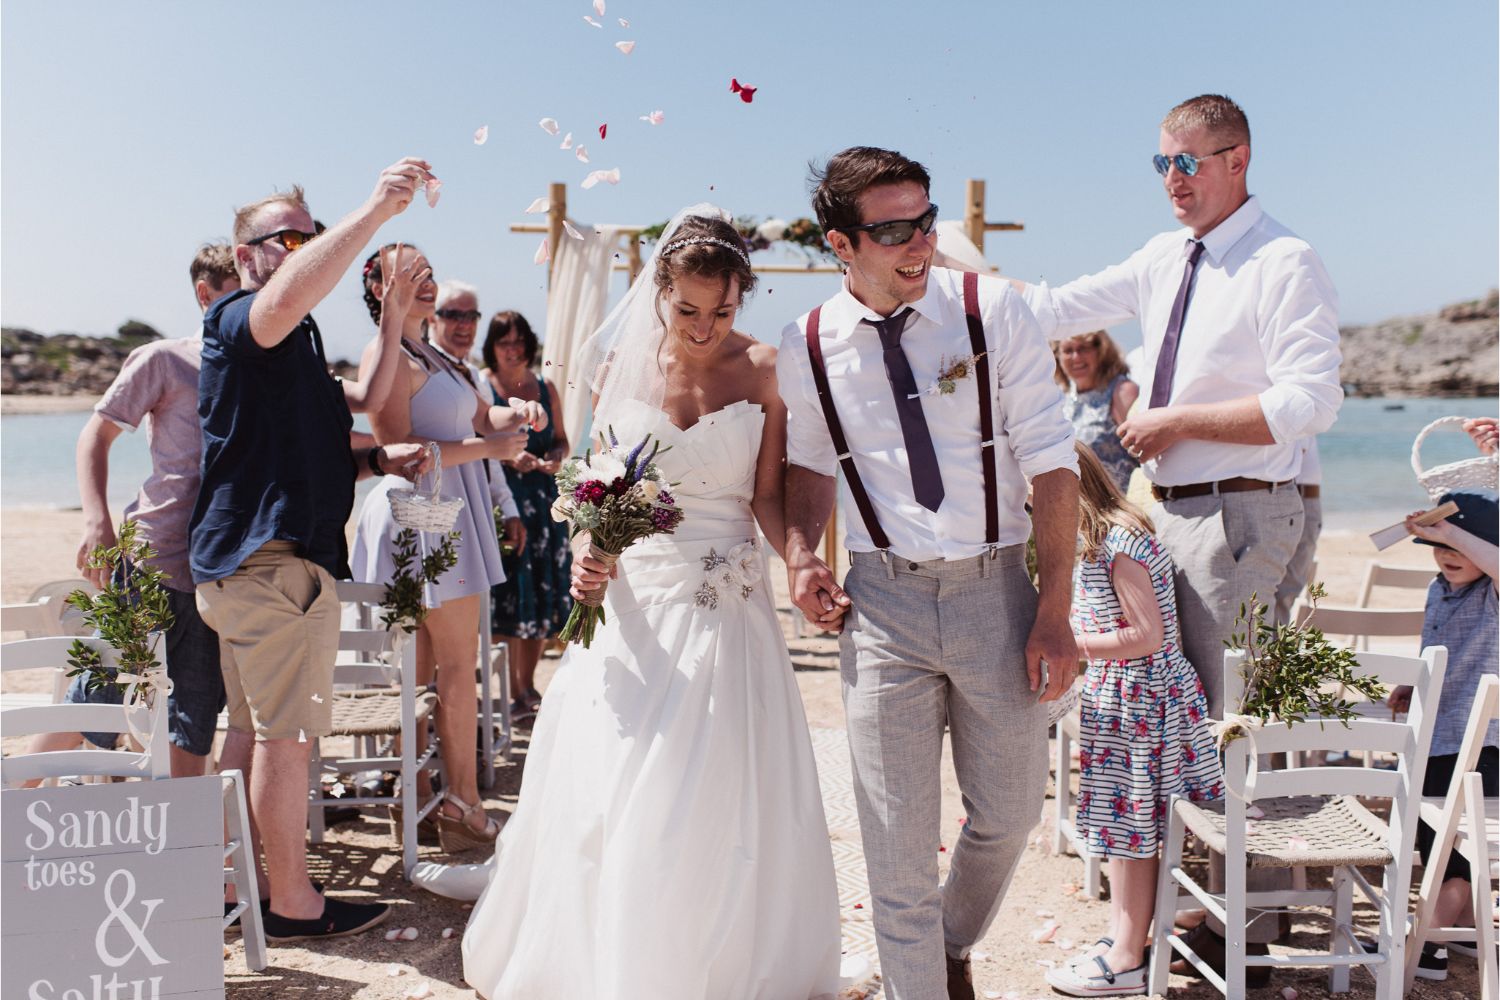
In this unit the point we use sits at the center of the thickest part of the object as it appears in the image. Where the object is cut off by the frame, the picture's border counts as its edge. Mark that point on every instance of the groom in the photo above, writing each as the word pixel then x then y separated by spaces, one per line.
pixel 932 392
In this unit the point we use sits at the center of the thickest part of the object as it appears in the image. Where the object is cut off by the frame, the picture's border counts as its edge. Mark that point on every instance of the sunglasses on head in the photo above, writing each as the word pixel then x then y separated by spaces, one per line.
pixel 290 239
pixel 1186 163
pixel 459 315
pixel 897 231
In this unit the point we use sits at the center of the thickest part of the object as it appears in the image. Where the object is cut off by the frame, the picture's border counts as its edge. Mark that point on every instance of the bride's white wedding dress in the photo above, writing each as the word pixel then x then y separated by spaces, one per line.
pixel 669 841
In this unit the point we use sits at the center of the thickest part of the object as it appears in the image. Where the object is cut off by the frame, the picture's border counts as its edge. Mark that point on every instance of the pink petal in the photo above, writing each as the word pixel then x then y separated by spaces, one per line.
pixel 594 177
pixel 582 154
pixel 481 134
pixel 409 934
pixel 603 129
pixel 655 117
pixel 599 7
pixel 1288 993
pixel 567 142
pixel 543 253
pixel 1297 843
pixel 568 228
pixel 590 20
pixel 392 935
pixel 537 206
pixel 624 23
pixel 1045 933
pixel 625 47
pixel 434 191
pixel 549 125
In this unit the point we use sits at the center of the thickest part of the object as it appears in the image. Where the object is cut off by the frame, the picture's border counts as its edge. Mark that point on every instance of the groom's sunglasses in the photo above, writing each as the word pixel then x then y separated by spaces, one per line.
pixel 1186 163
pixel 897 231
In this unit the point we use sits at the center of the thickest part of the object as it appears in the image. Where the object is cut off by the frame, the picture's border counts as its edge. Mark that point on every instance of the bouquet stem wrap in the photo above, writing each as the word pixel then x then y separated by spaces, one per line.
pixel 588 611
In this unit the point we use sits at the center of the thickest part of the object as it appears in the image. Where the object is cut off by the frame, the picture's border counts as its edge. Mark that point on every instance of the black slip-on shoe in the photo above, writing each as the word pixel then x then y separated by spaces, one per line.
pixel 340 919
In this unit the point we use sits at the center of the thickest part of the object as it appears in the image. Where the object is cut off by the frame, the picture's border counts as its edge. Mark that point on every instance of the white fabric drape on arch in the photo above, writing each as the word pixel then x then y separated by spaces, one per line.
pixel 575 308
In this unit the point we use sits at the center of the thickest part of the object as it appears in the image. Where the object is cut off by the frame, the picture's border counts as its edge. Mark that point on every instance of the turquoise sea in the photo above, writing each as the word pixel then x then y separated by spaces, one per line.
pixel 1367 477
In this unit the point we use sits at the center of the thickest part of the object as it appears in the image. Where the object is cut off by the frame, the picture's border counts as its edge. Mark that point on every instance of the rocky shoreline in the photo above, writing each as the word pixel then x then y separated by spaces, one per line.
pixel 1452 352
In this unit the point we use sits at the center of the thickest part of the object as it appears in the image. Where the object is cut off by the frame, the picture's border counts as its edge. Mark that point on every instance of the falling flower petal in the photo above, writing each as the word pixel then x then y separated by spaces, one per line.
pixel 434 191
pixel 419 991
pixel 543 253
pixel 655 117
pixel 567 142
pixel 599 7
pixel 538 206
pixel 625 47
pixel 447 933
pixel 624 23
pixel 603 129
pixel 747 94
pixel 590 20
pixel 594 177
pixel 409 934
pixel 549 125
pixel 481 134
pixel 337 791
pixel 568 228
pixel 582 153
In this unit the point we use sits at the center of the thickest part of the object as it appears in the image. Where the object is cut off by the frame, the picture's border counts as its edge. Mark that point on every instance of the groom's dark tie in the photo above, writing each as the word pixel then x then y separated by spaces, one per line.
pixel 1166 360
pixel 926 480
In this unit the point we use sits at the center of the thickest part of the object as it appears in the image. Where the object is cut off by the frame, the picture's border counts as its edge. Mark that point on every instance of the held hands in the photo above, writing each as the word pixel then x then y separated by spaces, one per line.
pixel 1051 640
pixel 398 185
pixel 589 573
pixel 815 593
pixel 1148 433
pixel 399 284
pixel 95 536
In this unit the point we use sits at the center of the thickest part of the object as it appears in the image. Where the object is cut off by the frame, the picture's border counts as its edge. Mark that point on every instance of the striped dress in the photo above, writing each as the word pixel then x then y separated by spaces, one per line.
pixel 1143 722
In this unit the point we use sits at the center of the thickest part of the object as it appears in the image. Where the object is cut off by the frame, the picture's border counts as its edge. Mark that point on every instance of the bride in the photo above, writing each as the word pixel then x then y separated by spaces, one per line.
pixel 669 841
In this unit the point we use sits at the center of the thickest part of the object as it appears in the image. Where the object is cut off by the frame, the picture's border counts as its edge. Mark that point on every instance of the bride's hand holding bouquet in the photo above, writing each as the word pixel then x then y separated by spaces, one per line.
pixel 616 496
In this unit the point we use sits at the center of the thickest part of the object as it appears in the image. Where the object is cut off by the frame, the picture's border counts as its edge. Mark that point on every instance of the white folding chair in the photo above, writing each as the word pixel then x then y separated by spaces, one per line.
pixel 1064 831
pixel 152 762
pixel 1378 574
pixel 49 613
pixel 374 700
pixel 1468 822
pixel 494 661
pixel 1312 817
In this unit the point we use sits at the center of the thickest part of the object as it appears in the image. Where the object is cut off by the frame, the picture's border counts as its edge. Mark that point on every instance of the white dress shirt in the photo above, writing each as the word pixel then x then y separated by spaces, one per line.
pixel 1311 473
pixel 1031 434
pixel 1262 320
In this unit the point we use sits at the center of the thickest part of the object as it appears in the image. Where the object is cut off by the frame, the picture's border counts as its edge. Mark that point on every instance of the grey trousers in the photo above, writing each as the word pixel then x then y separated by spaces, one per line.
pixel 1299 571
pixel 926 644
pixel 1226 548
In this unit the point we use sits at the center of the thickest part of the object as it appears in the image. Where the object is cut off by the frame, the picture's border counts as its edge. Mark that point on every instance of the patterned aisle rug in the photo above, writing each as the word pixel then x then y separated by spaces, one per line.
pixel 831 749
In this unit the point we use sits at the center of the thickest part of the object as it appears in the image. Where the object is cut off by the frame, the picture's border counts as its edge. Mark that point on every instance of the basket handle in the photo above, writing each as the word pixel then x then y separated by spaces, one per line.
pixel 437 468
pixel 1416 446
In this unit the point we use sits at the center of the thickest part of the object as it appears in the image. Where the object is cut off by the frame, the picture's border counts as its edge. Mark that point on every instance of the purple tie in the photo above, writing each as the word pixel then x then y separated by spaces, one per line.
pixel 926 480
pixel 1166 360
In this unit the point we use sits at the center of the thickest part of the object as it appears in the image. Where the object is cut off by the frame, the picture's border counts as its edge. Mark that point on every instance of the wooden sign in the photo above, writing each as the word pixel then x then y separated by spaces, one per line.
pixel 113 891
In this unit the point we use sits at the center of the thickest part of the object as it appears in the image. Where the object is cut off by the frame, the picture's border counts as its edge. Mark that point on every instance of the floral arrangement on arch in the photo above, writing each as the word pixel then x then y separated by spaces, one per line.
pixel 804 236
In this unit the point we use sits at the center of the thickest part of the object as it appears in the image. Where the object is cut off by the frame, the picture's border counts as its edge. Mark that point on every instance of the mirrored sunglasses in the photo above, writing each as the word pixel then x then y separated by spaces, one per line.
pixel 898 231
pixel 290 239
pixel 1186 163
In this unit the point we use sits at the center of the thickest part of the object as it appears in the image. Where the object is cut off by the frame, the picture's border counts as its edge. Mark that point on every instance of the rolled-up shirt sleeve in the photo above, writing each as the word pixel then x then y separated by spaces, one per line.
pixel 1300 339
pixel 807 440
pixel 1089 303
pixel 1028 402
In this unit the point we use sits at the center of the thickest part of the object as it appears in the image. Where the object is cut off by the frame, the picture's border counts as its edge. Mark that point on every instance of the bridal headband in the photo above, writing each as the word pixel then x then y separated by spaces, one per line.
pixel 691 240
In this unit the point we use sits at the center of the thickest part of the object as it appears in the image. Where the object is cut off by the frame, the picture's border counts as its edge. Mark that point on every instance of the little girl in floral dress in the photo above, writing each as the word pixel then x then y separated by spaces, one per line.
pixel 1143 723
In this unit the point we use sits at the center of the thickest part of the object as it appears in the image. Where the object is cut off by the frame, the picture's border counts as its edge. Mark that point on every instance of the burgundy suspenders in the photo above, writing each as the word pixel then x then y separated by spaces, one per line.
pixel 986 422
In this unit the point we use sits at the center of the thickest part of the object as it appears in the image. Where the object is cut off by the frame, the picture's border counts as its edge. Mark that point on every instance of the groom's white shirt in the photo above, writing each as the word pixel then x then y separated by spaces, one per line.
pixel 1032 435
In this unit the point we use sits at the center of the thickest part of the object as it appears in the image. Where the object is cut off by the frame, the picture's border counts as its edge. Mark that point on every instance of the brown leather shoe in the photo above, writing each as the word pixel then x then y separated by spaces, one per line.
pixel 960 979
pixel 1210 947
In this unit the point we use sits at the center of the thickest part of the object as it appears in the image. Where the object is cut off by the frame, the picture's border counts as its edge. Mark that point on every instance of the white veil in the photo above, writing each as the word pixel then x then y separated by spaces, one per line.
pixel 624 354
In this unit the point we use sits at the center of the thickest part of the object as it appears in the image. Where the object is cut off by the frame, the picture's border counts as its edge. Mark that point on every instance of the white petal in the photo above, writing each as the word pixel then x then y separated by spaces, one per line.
pixel 447 933
pixel 655 117
pixel 543 253
pixel 567 142
pixel 568 228
pixel 434 192
pixel 419 991
pixel 391 935
pixel 336 791
pixel 625 47
pixel 393 969
pixel 599 7
pixel 1288 993
pixel 301 736
pixel 409 934
pixel 481 134
pixel 549 125
pixel 582 153
pixel 624 23
pixel 538 206
pixel 590 20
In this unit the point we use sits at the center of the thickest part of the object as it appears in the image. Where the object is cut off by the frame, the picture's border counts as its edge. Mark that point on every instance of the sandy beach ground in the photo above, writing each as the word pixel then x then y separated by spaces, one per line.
pixel 359 857
pixel 77 403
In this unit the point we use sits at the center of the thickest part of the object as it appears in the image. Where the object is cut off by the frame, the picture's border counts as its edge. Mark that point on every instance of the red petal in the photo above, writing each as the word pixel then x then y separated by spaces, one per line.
pixel 734 85
pixel 747 94
pixel 602 129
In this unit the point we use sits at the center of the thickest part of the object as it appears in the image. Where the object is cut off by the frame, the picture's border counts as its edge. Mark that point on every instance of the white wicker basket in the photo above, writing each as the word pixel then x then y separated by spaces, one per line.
pixel 1482 471
pixel 420 511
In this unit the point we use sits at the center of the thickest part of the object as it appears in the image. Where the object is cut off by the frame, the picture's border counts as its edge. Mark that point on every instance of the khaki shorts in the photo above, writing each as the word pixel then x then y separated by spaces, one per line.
pixel 278 622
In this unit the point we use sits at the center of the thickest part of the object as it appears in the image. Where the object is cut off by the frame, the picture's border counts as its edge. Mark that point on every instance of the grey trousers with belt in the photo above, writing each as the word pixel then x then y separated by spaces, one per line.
pixel 1226 548
pixel 926 644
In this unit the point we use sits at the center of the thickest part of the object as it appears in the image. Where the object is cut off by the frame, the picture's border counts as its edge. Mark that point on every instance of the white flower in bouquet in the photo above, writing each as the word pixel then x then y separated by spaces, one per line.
pixel 771 230
pixel 604 467
pixel 650 490
pixel 561 510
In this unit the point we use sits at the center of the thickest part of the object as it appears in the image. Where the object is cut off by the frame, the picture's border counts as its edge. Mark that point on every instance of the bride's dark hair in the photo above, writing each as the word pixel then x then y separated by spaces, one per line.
pixel 704 248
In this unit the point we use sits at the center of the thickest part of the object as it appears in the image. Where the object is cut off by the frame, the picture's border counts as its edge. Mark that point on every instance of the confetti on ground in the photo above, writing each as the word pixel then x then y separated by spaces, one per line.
pixel 481 134
pixel 1288 993
pixel 568 228
pixel 1297 844
pixel 1046 963
pixel 992 994
pixel 1066 944
pixel 538 206
pixel 1255 811
pixel 549 125
pixel 419 991
pixel 612 176
pixel 603 129
pixel 393 970
pixel 1045 914
pixel 582 153
pixel 543 253
pixel 625 47
pixel 591 21
pixel 979 956
pixel 409 934
pixel 942 849
pixel 434 191
pixel 1070 888
pixel 1045 933
pixel 747 94
pixel 447 933
pixel 655 117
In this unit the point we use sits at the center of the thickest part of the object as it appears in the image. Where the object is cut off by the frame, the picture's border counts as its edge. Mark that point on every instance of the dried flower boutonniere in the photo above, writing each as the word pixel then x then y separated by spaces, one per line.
pixel 951 373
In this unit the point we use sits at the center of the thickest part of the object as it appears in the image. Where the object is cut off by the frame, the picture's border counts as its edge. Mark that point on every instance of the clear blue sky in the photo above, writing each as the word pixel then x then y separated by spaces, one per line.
pixel 131 129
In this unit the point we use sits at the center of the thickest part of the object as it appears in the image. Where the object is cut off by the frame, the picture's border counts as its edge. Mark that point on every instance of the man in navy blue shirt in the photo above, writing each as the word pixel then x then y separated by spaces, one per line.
pixel 267 532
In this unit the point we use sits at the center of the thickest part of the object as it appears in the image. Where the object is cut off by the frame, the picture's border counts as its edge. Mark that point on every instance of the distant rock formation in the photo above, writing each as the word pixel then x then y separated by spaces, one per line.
pixel 1453 352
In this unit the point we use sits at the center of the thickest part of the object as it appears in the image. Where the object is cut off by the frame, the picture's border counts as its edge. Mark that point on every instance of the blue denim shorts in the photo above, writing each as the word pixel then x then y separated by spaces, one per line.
pixel 197 696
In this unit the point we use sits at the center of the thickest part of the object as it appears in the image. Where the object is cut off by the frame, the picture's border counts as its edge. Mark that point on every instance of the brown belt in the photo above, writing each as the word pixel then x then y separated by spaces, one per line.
pixel 1310 491
pixel 1239 484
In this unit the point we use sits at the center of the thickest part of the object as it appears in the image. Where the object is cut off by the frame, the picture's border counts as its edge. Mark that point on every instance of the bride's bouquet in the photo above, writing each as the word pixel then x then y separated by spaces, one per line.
pixel 616 494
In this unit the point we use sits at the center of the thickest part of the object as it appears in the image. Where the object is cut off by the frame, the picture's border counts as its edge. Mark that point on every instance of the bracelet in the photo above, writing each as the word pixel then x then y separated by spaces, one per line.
pixel 372 458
